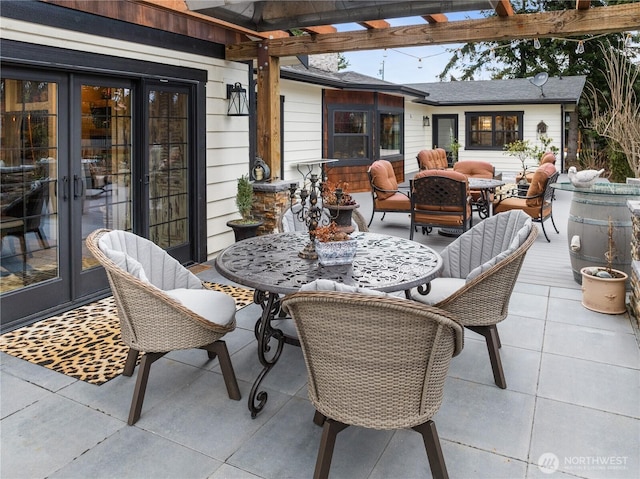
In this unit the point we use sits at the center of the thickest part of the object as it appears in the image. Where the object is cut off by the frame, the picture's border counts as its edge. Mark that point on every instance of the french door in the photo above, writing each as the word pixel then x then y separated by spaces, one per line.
pixel 83 152
pixel 445 132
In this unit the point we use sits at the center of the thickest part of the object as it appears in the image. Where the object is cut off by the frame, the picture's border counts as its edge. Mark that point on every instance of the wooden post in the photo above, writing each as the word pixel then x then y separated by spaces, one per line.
pixel 268 109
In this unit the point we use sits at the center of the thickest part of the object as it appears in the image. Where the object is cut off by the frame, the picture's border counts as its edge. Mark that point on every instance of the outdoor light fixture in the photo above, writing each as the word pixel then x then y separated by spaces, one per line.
pixel 238 104
pixel 425 121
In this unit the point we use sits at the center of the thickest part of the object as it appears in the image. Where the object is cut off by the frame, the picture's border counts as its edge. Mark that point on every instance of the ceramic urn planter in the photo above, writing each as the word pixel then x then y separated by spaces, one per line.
pixel 604 294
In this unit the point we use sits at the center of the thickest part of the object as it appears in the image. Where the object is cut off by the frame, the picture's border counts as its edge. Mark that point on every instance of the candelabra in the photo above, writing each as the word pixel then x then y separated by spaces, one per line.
pixel 310 212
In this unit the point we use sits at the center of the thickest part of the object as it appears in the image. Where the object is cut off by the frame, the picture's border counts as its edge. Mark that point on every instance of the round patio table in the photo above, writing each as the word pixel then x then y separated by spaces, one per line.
pixel 270 264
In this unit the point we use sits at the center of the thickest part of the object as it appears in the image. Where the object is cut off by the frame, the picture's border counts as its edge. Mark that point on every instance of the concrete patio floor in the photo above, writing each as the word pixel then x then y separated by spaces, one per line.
pixel 573 398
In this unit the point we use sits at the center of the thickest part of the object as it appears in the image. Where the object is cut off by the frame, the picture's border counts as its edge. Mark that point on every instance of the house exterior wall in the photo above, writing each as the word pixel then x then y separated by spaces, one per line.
pixel 416 136
pixel 551 114
pixel 302 132
pixel 227 138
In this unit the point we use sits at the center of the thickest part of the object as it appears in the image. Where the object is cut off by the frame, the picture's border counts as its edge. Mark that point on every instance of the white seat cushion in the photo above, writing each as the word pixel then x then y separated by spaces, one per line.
pixel 214 306
pixel 329 285
pixel 441 288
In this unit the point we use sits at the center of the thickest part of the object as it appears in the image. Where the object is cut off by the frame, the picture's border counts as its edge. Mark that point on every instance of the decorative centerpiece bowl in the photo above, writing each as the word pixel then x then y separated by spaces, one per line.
pixel 333 246
pixel 336 252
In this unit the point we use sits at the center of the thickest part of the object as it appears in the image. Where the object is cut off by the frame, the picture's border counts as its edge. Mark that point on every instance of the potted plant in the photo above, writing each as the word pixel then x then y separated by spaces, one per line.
pixel 333 246
pixel 340 204
pixel 247 226
pixel 604 288
pixel 522 150
pixel 455 148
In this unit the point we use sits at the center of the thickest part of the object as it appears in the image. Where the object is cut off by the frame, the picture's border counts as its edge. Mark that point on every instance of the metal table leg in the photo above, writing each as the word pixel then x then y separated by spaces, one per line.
pixel 268 353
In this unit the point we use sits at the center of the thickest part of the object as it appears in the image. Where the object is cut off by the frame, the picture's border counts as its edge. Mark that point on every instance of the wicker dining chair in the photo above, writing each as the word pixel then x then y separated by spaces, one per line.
pixel 479 272
pixel 374 361
pixel 162 307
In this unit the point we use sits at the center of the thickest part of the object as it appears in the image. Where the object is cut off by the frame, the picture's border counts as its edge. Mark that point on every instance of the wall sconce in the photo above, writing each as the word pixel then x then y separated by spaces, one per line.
pixel 238 104
pixel 425 121
pixel 567 118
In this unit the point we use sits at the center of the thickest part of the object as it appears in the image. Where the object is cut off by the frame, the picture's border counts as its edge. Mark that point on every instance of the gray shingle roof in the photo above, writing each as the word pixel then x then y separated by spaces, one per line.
pixel 519 90
pixel 484 92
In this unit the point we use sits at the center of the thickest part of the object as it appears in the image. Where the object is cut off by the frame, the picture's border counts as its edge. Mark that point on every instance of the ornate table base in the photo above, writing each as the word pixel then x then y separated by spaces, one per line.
pixel 265 333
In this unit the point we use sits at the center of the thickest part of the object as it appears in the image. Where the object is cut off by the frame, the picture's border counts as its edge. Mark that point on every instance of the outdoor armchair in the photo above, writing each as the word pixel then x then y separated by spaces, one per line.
pixel 480 269
pixel 476 169
pixel 548 157
pixel 363 370
pixel 440 198
pixel 538 203
pixel 387 198
pixel 435 159
pixel 162 307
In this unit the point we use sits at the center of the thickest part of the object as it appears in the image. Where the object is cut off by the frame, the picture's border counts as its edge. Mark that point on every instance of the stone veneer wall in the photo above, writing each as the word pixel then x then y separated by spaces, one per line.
pixel 634 298
pixel 272 199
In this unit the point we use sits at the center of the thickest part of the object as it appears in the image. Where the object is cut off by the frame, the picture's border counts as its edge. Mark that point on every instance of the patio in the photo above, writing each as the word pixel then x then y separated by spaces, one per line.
pixel 573 393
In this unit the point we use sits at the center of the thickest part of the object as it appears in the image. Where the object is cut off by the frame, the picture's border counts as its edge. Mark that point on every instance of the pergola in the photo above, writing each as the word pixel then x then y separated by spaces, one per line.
pixel 261 32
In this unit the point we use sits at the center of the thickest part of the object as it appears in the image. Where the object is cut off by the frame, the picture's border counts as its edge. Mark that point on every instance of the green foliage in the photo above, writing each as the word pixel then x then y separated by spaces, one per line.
pixel 245 197
pixel 619 167
pixel 537 152
pixel 522 150
pixel 455 148
pixel 343 63
pixel 556 56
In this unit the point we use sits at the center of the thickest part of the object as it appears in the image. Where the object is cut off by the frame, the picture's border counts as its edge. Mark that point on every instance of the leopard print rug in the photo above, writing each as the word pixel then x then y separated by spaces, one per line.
pixel 85 343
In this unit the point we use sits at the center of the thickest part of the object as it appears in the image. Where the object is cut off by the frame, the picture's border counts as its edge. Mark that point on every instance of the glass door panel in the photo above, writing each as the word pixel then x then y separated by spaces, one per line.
pixel 168 168
pixel 445 131
pixel 105 182
pixel 29 225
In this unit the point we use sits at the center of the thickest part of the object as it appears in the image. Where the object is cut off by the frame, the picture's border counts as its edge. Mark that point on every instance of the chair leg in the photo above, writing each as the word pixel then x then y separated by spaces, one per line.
pixel 330 430
pixel 141 386
pixel 219 348
pixel 373 212
pixel 544 231
pixel 130 364
pixel 23 246
pixel 492 338
pixel 434 451
pixel 319 419
pixel 554 223
pixel 42 238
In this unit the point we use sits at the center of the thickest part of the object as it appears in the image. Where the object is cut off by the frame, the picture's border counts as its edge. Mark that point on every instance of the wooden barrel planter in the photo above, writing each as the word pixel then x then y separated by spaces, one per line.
pixel 589 220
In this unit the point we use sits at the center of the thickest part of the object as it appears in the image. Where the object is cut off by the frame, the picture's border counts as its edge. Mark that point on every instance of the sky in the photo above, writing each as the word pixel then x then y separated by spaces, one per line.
pixel 405 65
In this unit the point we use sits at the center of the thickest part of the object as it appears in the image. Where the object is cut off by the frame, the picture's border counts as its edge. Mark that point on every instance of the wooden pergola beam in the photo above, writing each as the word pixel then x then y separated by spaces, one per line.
pixel 503 8
pixel 583 4
pixel 436 18
pixel 371 24
pixel 562 23
pixel 320 29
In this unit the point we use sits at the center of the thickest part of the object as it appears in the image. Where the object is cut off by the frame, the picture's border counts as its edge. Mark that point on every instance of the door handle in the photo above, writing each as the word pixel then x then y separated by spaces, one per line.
pixel 78 181
pixel 65 188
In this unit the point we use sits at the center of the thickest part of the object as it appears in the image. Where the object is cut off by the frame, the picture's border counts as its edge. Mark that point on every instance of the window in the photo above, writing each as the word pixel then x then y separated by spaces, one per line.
pixel 493 130
pixel 390 134
pixel 350 134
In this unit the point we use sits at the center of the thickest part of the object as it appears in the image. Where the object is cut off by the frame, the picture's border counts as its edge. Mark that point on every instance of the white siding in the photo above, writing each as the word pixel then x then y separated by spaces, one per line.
pixel 416 136
pixel 302 119
pixel 227 138
pixel 533 114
